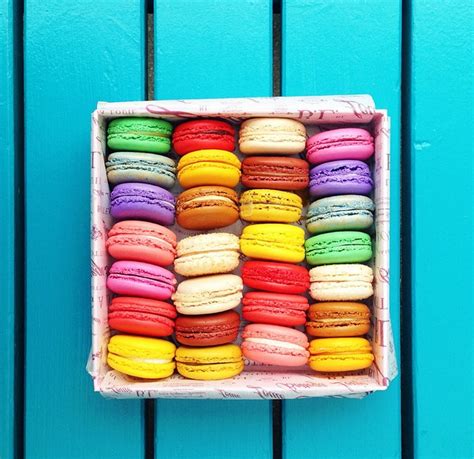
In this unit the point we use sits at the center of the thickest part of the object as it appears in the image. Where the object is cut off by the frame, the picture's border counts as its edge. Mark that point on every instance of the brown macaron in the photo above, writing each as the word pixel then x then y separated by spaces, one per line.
pixel 207 207
pixel 275 172
pixel 208 330
pixel 337 319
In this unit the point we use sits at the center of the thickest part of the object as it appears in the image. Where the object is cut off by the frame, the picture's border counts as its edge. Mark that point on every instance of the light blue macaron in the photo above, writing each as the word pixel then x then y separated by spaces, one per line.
pixel 339 213
pixel 132 166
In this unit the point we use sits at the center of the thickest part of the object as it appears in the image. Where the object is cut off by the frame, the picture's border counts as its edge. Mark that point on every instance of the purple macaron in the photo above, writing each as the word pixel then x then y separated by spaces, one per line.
pixel 340 177
pixel 142 201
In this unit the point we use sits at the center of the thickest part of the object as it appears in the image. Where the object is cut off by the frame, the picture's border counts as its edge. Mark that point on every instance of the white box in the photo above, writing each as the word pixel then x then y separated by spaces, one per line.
pixel 256 382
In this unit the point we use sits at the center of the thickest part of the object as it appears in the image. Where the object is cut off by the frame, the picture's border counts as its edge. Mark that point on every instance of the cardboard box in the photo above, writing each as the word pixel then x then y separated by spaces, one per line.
pixel 257 381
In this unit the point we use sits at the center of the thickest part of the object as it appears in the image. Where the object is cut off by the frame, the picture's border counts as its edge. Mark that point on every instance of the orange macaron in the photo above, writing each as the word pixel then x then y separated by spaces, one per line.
pixel 207 207
pixel 338 318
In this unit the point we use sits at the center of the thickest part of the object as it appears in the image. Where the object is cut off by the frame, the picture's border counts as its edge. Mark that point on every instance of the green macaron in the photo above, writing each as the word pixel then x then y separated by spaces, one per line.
pixel 338 247
pixel 139 134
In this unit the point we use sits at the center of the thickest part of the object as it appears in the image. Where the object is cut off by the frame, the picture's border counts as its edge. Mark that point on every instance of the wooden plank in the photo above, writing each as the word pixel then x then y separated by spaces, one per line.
pixel 442 174
pixel 348 47
pixel 75 55
pixel 213 48
pixel 10 215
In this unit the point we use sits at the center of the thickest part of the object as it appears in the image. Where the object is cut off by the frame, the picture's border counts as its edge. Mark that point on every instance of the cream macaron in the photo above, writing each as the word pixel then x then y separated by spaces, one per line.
pixel 208 294
pixel 272 136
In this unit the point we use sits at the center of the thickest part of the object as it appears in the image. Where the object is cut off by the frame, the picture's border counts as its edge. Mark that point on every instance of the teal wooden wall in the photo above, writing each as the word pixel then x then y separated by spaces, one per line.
pixel 58 59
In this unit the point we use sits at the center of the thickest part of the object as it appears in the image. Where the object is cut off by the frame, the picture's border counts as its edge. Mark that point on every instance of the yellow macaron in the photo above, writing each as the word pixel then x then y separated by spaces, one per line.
pixel 209 167
pixel 209 363
pixel 273 241
pixel 270 206
pixel 148 358
pixel 340 354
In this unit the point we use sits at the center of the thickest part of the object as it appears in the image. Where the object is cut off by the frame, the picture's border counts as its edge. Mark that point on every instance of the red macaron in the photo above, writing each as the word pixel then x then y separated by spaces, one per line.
pixel 275 172
pixel 208 329
pixel 203 135
pixel 275 277
pixel 142 316
pixel 275 308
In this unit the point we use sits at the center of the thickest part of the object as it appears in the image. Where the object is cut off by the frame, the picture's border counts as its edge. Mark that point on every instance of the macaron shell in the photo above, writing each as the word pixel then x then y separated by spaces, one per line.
pixel 275 172
pixel 273 241
pixel 274 308
pixel 272 135
pixel 134 355
pixel 139 134
pixel 345 143
pixel 141 316
pixel 203 134
pixel 340 177
pixel 275 345
pixel 207 207
pixel 338 247
pixel 275 277
pixel 140 369
pixel 209 167
pixel 340 354
pixel 209 363
pixel 142 241
pixel 133 278
pixel 208 330
pixel 338 213
pixel 134 166
pixel 338 319
pixel 208 294
pixel 201 264
pixel 270 206
pixel 142 201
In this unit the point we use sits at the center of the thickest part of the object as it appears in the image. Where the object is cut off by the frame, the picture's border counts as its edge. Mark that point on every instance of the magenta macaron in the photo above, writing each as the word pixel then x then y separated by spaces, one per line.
pixel 275 345
pixel 346 143
pixel 134 278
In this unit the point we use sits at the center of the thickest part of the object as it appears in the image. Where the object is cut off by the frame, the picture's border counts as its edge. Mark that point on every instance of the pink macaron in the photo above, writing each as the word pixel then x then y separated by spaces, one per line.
pixel 275 308
pixel 345 143
pixel 142 241
pixel 134 278
pixel 275 345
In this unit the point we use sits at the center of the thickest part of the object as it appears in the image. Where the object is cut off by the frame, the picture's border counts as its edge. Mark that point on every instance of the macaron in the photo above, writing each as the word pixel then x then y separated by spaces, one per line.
pixel 141 316
pixel 132 166
pixel 142 201
pixel 338 318
pixel 212 253
pixel 209 363
pixel 344 282
pixel 275 345
pixel 134 278
pixel 203 135
pixel 272 276
pixel 270 206
pixel 276 136
pixel 273 241
pixel 275 172
pixel 208 330
pixel 275 308
pixel 207 207
pixel 142 241
pixel 142 357
pixel 336 213
pixel 338 247
pixel 209 167
pixel 340 177
pixel 208 294
pixel 139 134
pixel 340 354
pixel 345 143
